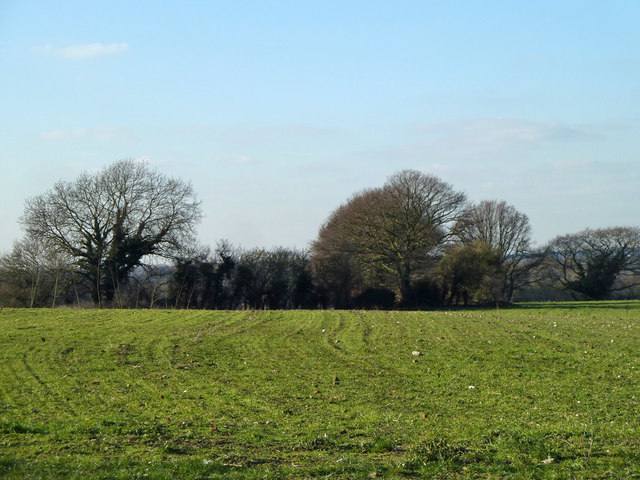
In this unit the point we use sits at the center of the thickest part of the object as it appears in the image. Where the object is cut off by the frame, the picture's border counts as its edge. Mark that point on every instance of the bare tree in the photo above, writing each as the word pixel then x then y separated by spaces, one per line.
pixel 596 264
pixel 273 279
pixel 108 222
pixel 337 270
pixel 395 230
pixel 34 275
pixel 508 234
pixel 23 274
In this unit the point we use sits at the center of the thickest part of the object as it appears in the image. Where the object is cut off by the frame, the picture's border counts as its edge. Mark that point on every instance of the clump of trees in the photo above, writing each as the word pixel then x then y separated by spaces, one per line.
pixel 389 236
pixel 494 241
pixel 109 223
pixel 419 237
pixel 596 264
pixel 33 274
pixel 126 237
pixel 232 278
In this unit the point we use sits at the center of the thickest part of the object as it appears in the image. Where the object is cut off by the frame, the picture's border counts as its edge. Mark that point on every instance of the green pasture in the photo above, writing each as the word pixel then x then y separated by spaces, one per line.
pixel 534 391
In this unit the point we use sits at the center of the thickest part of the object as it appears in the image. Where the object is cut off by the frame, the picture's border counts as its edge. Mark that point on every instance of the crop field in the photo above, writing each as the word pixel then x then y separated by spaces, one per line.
pixel 534 391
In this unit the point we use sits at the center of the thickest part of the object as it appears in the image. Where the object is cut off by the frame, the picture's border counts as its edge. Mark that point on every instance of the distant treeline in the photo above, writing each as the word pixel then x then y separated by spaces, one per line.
pixel 125 237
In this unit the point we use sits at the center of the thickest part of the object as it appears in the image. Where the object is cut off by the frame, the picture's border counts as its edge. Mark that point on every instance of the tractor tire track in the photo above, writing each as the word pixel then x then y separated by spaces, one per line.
pixel 30 370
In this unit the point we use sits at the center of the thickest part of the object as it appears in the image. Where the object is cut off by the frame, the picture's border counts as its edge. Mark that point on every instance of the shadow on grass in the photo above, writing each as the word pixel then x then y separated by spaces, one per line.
pixel 14 468
pixel 23 428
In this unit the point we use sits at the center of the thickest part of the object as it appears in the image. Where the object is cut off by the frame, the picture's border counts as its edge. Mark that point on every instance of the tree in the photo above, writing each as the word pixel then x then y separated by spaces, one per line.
pixel 471 273
pixel 595 264
pixel 507 232
pixel 394 231
pixel 33 275
pixel 273 279
pixel 336 271
pixel 110 221
pixel 149 285
pixel 195 280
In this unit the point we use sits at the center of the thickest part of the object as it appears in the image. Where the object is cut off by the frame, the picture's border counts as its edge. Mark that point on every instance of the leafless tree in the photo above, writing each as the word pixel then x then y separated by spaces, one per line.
pixel 393 230
pixel 109 221
pixel 34 275
pixel 596 264
pixel 338 270
pixel 508 233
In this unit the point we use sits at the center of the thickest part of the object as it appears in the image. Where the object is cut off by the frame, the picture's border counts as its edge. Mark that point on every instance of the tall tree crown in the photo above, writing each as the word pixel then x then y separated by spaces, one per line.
pixel 111 220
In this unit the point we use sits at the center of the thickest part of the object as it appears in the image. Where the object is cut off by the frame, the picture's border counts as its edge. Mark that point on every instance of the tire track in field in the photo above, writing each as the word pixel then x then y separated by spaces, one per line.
pixel 154 352
pixel 366 329
pixel 49 375
pixel 349 338
pixel 351 341
pixel 12 382
pixel 335 332
pixel 9 365
pixel 30 370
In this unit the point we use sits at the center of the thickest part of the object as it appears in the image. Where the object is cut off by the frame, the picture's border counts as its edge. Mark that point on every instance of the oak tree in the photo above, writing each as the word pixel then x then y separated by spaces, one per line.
pixel 111 221
pixel 392 232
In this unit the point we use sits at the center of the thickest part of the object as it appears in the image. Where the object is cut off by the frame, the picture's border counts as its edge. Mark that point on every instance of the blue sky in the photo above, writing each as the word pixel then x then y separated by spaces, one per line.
pixel 278 112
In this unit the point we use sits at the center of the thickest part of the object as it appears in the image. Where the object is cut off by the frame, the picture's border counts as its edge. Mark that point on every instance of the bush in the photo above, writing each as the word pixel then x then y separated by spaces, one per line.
pixel 375 298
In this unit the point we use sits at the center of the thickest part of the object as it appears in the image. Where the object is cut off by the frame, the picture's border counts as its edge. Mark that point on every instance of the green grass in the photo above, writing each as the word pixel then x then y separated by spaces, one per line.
pixel 536 391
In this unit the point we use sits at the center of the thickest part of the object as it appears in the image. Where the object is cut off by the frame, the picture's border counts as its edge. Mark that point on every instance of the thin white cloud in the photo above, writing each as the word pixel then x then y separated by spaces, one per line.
pixel 81 52
pixel 498 132
pixel 242 160
pixel 480 139
pixel 285 132
pixel 260 135
pixel 103 134
pixel 56 135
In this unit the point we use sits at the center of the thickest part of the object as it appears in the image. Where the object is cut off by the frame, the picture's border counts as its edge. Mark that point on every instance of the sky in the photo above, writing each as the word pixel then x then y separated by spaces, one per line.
pixel 278 112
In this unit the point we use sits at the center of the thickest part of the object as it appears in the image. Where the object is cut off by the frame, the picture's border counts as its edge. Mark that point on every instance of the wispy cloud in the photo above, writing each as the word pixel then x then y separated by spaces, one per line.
pixel 99 133
pixel 476 140
pixel 81 52
pixel 497 133
pixel 242 159
pixel 268 134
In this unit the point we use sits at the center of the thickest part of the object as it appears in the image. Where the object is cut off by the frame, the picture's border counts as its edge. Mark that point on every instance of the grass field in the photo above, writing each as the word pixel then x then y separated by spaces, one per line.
pixel 539 391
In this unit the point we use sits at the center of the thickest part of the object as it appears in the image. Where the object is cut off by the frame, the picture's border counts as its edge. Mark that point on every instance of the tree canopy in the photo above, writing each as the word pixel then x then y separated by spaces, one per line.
pixel 507 232
pixel 596 263
pixel 125 236
pixel 392 231
pixel 110 221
